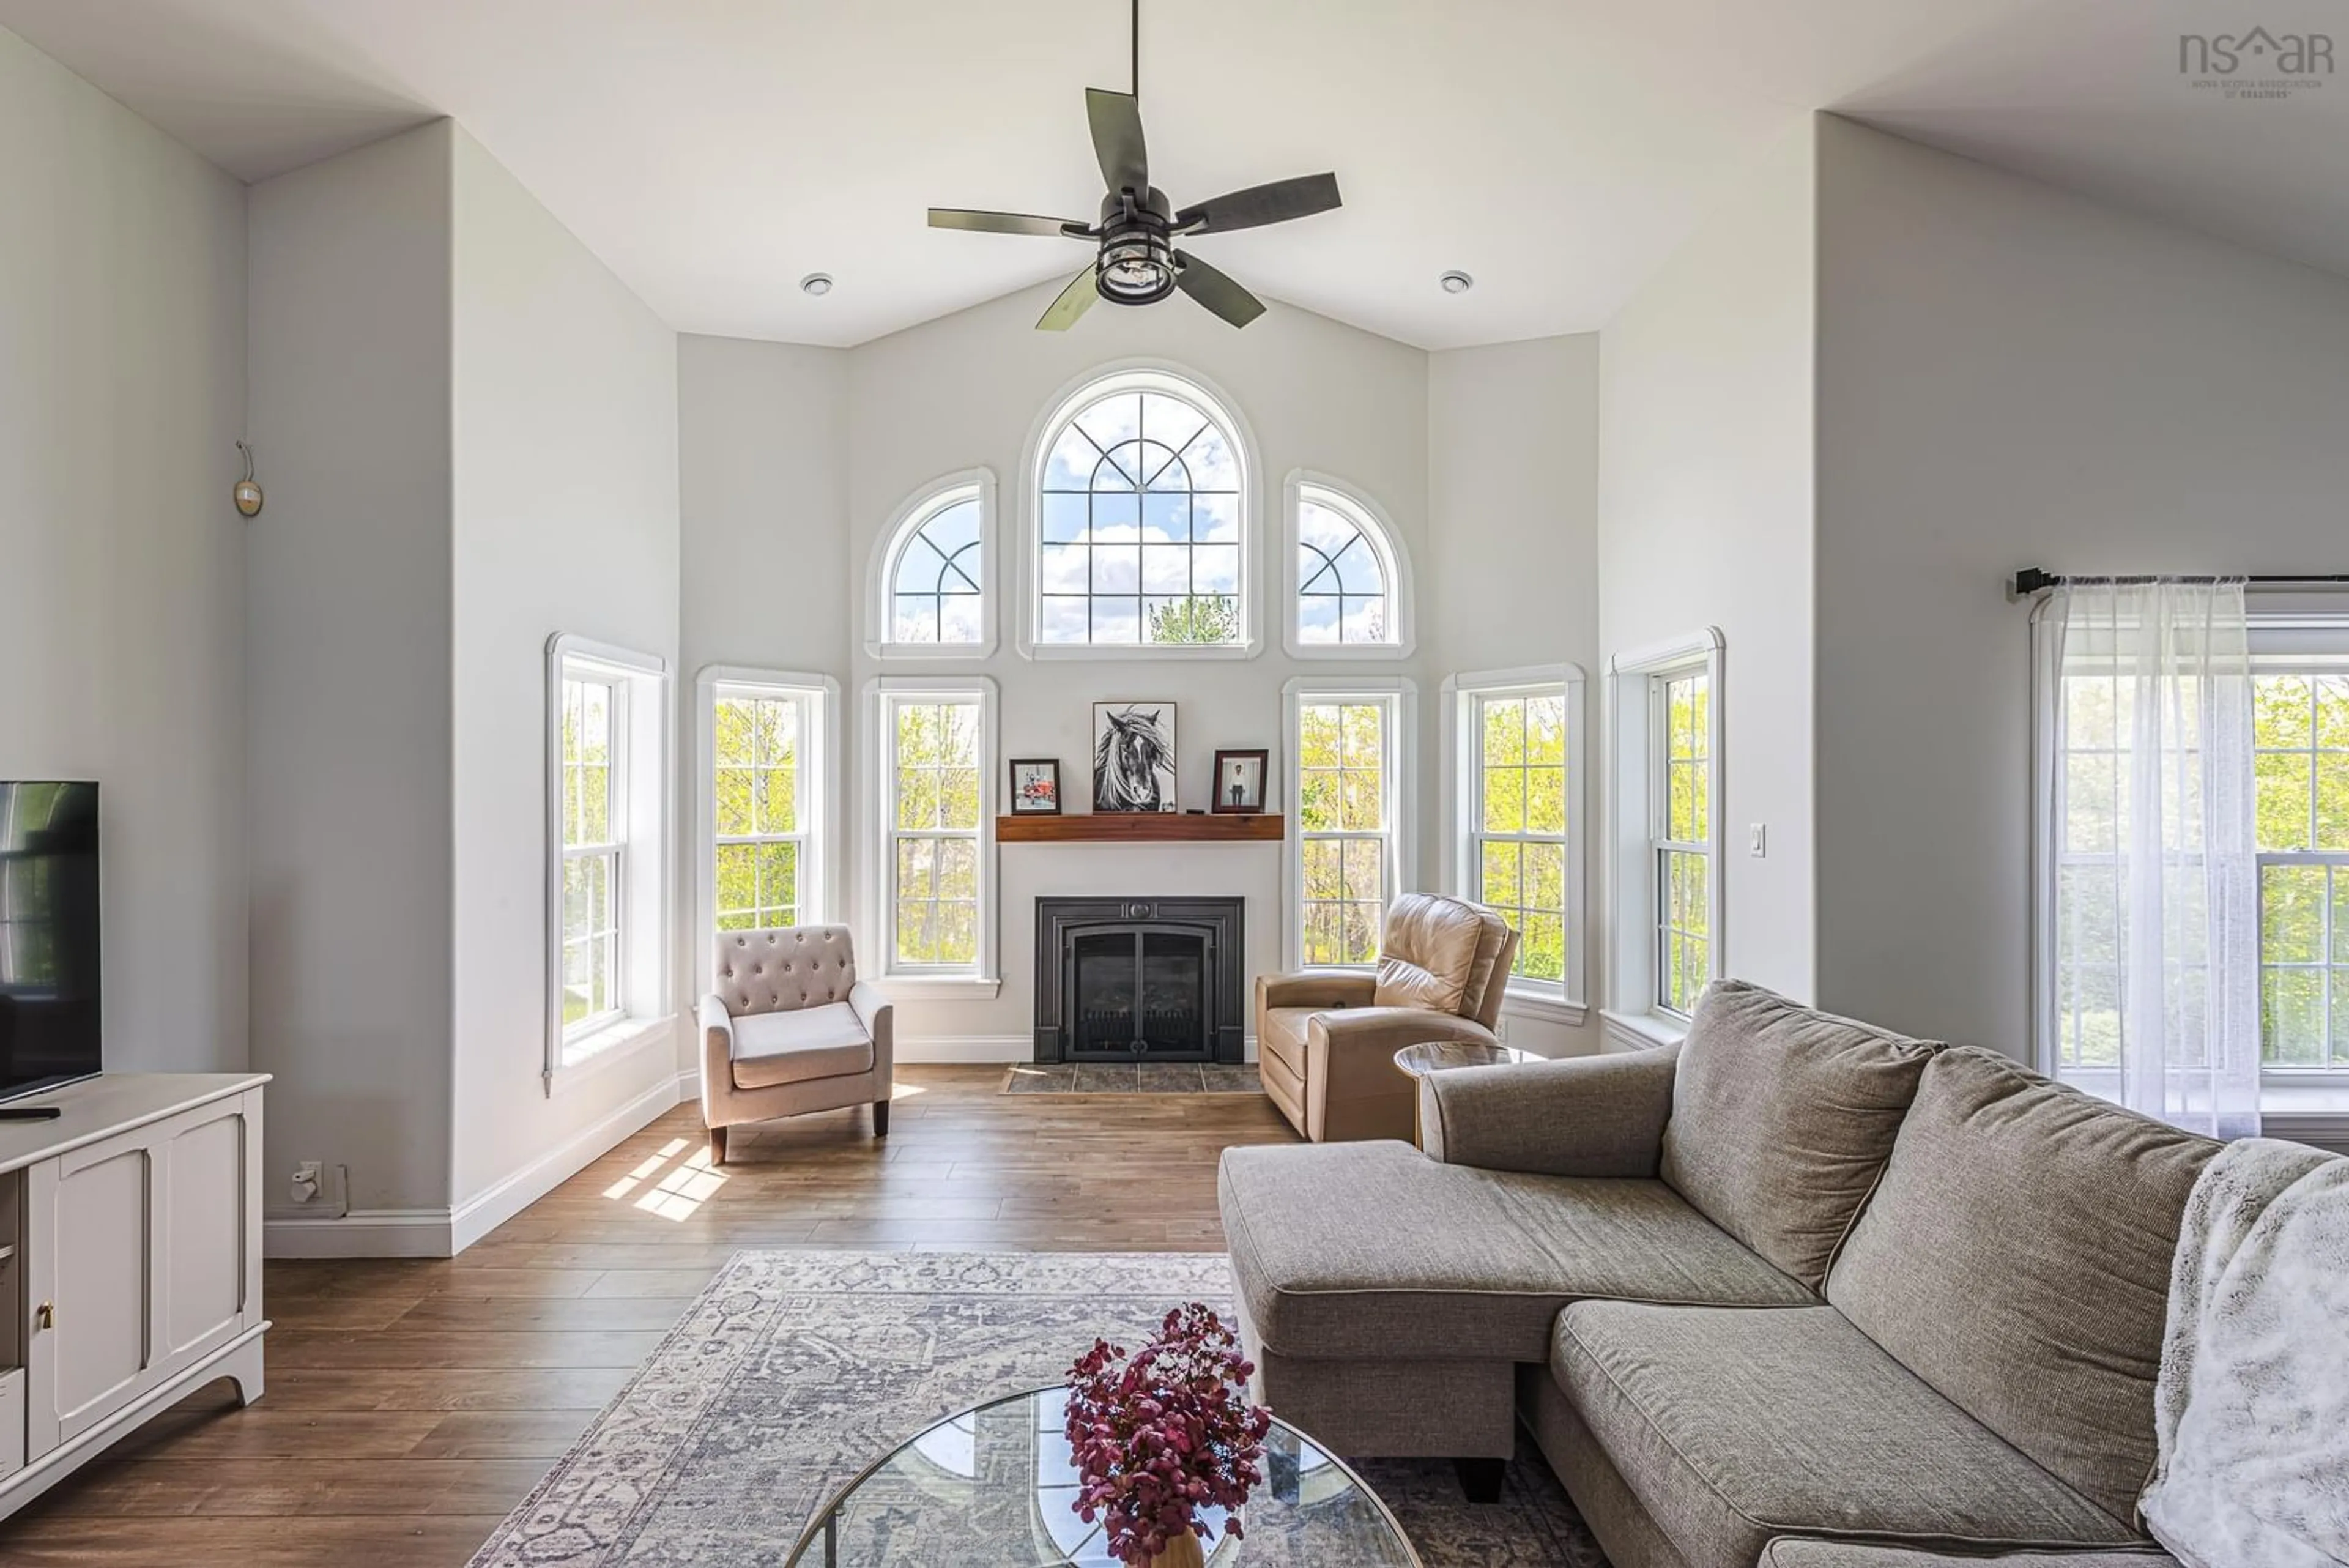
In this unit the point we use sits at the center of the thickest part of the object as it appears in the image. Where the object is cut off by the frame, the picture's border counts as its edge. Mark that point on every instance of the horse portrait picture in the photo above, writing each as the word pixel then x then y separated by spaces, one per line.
pixel 1134 756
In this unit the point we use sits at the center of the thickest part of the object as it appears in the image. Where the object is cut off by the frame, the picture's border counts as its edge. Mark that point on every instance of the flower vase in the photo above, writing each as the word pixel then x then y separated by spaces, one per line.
pixel 1185 1551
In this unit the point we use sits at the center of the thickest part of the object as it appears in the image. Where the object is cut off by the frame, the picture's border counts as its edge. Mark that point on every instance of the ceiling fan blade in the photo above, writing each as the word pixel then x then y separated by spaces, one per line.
pixel 1000 223
pixel 1261 204
pixel 1116 121
pixel 1216 291
pixel 1073 302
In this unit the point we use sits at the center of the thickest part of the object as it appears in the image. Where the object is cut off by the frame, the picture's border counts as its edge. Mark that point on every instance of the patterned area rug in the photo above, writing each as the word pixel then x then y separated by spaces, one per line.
pixel 1135 1079
pixel 794 1370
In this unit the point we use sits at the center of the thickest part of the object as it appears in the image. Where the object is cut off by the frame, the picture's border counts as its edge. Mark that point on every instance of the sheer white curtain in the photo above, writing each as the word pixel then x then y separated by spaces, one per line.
pixel 2157 953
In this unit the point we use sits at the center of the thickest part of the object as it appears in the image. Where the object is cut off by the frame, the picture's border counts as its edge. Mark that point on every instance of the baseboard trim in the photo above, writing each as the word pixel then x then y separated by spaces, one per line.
pixel 361 1234
pixel 947 1048
pixel 502 1199
pixel 445 1232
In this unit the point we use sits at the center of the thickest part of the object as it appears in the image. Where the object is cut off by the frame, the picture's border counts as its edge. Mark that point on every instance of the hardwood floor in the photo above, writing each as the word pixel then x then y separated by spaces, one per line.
pixel 411 1405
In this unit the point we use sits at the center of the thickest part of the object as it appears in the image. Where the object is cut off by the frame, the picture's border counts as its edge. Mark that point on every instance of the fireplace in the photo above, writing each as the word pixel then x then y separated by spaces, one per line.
pixel 1138 980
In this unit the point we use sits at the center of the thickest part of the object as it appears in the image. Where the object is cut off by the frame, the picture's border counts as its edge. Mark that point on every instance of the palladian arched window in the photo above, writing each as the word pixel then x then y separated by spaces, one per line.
pixel 929 596
pixel 1141 521
pixel 1349 584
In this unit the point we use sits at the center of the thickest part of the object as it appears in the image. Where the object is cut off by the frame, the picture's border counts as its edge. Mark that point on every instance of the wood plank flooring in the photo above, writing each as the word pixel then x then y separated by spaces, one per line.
pixel 411 1405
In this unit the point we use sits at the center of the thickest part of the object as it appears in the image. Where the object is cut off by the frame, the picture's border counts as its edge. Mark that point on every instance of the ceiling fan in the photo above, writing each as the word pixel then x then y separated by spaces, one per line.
pixel 1137 263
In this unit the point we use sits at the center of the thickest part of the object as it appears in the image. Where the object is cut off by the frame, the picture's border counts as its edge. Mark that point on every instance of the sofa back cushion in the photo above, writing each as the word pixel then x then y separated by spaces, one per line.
pixel 1782 1119
pixel 1428 955
pixel 2016 1257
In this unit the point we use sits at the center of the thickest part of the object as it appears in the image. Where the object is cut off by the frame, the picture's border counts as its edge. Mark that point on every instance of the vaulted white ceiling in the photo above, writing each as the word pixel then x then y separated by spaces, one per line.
pixel 713 151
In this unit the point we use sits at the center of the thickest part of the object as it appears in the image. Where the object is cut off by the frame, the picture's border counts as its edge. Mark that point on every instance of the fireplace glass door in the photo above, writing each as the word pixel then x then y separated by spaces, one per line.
pixel 1138 993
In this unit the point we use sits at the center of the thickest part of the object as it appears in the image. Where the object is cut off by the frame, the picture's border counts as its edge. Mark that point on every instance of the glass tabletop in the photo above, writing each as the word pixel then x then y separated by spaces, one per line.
pixel 996 1485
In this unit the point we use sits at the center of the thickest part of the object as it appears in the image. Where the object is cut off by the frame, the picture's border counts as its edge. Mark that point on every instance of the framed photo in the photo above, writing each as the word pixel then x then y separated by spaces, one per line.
pixel 1239 781
pixel 1134 756
pixel 1035 786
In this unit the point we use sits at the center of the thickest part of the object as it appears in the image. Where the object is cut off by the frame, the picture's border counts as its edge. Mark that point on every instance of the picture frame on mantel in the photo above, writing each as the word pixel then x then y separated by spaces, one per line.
pixel 1035 786
pixel 1134 756
pixel 1239 782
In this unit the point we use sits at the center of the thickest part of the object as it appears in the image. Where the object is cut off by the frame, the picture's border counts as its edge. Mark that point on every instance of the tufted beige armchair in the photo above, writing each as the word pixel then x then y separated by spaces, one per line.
pixel 790 1028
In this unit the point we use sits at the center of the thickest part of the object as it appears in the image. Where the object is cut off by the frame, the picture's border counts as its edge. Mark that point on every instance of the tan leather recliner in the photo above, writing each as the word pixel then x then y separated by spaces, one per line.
pixel 790 1030
pixel 1326 1042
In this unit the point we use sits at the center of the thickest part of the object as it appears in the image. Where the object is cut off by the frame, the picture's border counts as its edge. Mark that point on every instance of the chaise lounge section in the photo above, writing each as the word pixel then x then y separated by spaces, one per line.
pixel 1799 1292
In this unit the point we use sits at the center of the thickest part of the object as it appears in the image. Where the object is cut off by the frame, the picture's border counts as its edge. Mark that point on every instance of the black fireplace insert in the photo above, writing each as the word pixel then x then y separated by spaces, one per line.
pixel 1138 980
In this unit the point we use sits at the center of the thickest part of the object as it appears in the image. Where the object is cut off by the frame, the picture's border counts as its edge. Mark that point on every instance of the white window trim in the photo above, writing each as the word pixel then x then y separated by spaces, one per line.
pixel 820 902
pixel 649 1017
pixel 2287 631
pixel 1399 791
pixel 1632 1013
pixel 1394 561
pixel 984 981
pixel 1555 1003
pixel 1141 375
pixel 881 571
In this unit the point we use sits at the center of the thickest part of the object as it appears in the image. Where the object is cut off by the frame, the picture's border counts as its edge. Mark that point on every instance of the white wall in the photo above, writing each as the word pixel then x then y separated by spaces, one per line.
pixel 2010 376
pixel 565 520
pixel 348 667
pixel 1509 580
pixel 966 392
pixel 1705 519
pixel 122 565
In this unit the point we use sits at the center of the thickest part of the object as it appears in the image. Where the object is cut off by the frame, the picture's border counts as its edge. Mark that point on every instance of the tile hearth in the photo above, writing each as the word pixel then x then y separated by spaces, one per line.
pixel 1132 1079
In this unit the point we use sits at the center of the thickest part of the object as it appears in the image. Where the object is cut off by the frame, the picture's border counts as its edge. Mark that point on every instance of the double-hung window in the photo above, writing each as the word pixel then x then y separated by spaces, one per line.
pixel 1516 838
pixel 607 831
pixel 935 849
pixel 2299 802
pixel 1350 744
pixel 1665 832
pixel 594 850
pixel 767 786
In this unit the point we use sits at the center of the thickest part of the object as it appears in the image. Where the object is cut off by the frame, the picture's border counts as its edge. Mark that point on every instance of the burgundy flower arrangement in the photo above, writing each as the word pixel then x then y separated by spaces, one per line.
pixel 1164 1434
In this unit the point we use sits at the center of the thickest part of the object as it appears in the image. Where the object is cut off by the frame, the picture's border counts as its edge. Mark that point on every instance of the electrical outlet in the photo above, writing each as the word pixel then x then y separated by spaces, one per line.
pixel 1757 839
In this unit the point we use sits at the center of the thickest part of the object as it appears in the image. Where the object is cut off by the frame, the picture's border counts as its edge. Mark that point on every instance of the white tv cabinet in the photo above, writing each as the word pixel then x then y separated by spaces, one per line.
pixel 129 1263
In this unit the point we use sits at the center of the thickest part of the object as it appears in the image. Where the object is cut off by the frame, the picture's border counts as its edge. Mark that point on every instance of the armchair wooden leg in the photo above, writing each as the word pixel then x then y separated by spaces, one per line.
pixel 880 1118
pixel 1481 1478
pixel 717 1146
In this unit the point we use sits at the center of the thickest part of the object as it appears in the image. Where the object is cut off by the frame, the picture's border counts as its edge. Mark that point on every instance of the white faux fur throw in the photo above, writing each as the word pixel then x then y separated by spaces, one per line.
pixel 2252 1404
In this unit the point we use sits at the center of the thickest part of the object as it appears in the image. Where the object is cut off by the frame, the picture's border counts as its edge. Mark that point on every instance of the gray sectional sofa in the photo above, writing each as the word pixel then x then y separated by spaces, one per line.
pixel 1798 1292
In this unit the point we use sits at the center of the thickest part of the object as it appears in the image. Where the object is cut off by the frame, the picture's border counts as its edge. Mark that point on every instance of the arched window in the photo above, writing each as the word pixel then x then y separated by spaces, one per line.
pixel 1141 521
pixel 928 597
pixel 1349 587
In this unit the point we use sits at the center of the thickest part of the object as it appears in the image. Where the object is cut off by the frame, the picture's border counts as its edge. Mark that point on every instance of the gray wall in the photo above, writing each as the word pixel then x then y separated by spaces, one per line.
pixel 565 520
pixel 121 397
pixel 1704 519
pixel 2012 375
pixel 347 661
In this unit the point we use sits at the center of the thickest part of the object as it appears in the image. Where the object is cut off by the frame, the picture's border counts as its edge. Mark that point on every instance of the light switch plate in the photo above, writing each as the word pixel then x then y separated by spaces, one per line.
pixel 1757 839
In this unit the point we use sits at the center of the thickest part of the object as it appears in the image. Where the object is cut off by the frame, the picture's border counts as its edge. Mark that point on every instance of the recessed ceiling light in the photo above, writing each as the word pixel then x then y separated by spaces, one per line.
pixel 818 284
pixel 1457 283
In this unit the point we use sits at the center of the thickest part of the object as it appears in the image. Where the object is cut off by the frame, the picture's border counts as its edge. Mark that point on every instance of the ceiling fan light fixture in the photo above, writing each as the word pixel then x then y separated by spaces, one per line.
pixel 816 285
pixel 1137 269
pixel 1456 282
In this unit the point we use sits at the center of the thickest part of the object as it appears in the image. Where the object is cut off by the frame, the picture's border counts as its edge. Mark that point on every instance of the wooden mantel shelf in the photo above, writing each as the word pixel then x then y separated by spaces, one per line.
pixel 1142 827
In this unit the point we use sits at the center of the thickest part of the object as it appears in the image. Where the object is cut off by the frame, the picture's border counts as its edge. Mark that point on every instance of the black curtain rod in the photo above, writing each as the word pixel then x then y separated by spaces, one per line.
pixel 2031 579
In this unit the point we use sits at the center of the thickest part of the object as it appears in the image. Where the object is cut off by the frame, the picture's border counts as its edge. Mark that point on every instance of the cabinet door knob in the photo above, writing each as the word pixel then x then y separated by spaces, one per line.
pixel 46 1315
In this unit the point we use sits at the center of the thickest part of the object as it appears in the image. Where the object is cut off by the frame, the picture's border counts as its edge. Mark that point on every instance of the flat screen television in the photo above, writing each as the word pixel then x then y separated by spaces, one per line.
pixel 48 935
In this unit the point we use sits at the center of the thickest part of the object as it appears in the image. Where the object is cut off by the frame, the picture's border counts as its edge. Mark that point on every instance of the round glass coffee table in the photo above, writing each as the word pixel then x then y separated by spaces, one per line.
pixel 1416 1062
pixel 994 1485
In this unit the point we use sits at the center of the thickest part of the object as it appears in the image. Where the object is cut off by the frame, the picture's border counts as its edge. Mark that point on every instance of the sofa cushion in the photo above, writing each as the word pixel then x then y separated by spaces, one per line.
pixel 1428 954
pixel 1782 1118
pixel 1734 1426
pixel 2016 1257
pixel 1794 1552
pixel 827 1042
pixel 1373 1251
